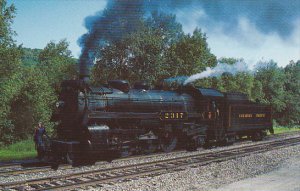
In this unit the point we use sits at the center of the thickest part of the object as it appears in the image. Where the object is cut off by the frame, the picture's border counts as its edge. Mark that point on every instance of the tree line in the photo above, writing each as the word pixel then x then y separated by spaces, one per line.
pixel 158 49
pixel 29 80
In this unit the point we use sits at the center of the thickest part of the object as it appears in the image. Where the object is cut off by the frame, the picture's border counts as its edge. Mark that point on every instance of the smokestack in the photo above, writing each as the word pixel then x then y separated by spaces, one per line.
pixel 85 65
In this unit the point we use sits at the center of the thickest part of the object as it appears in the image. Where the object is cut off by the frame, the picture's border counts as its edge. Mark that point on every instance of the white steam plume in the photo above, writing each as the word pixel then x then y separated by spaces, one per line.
pixel 218 71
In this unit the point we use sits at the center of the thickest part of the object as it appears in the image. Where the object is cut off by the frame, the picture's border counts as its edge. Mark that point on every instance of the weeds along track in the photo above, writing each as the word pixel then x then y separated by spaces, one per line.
pixel 128 172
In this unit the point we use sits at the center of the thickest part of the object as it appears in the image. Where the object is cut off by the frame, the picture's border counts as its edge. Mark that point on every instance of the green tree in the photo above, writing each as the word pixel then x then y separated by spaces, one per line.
pixel 147 48
pixel 272 79
pixel 241 82
pixel 164 26
pixel 10 71
pixel 30 57
pixel 291 113
pixel 34 104
pixel 28 89
pixel 157 50
pixel 40 83
pixel 257 92
pixel 9 52
pixel 37 90
pixel 189 55
pixel 57 63
pixel 141 54
pixel 136 57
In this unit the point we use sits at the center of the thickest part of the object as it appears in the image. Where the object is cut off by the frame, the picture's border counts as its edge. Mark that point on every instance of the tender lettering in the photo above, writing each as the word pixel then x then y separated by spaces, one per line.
pixel 249 115
pixel 260 115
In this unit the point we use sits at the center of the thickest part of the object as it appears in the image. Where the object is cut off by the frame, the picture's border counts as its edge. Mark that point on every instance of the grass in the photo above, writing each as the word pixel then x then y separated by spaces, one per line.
pixel 282 129
pixel 25 149
pixel 20 150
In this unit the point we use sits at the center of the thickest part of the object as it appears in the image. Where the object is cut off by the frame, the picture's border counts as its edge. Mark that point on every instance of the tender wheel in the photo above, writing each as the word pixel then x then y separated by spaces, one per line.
pixel 257 136
pixel 168 142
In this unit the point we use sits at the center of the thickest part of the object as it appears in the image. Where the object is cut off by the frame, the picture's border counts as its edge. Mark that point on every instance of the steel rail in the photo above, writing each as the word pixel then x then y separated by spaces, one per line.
pixel 13 169
pixel 101 176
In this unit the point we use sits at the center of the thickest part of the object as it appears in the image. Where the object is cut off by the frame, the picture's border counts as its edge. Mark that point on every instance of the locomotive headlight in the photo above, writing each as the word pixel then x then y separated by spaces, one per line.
pixel 60 104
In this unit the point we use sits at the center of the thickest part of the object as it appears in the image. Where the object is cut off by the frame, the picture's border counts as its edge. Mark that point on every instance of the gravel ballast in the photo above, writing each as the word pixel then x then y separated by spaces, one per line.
pixel 212 176
pixel 285 178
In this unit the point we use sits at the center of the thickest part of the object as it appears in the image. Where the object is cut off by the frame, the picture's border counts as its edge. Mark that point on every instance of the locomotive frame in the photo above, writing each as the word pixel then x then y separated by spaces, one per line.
pixel 112 121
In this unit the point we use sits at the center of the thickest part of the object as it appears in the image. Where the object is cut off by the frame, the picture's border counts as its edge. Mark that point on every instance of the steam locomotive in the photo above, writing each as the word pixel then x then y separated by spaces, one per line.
pixel 115 120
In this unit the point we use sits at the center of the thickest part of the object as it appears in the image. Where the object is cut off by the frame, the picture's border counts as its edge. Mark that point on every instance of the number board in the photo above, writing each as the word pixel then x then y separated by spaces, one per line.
pixel 166 115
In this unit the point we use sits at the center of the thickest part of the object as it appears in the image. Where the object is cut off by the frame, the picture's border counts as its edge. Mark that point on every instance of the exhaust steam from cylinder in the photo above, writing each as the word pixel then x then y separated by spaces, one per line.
pixel 218 71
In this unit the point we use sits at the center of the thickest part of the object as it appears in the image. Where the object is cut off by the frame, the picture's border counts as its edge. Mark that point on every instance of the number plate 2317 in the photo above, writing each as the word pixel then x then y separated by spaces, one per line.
pixel 173 115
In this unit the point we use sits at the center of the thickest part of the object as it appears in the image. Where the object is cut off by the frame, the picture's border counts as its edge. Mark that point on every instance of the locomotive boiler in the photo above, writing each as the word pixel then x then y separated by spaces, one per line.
pixel 114 120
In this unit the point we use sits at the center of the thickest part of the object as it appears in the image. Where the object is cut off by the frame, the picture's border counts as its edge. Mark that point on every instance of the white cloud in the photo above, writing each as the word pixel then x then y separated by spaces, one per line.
pixel 245 40
pixel 190 18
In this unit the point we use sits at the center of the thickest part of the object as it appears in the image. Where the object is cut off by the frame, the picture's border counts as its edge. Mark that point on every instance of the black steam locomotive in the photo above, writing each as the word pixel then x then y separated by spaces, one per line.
pixel 114 120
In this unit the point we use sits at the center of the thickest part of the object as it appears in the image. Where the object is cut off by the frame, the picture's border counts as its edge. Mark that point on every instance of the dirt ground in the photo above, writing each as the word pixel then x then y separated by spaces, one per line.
pixel 285 178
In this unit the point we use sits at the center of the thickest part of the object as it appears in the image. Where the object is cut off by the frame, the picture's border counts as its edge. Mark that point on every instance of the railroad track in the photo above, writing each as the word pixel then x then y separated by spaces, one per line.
pixel 18 170
pixel 15 168
pixel 125 173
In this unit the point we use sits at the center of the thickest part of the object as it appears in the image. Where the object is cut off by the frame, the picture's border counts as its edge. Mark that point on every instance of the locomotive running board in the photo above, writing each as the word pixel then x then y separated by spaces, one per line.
pixel 133 115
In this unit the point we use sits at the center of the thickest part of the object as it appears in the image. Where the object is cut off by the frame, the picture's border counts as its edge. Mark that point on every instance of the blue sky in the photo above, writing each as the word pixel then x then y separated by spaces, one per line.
pixel 38 22
pixel 251 29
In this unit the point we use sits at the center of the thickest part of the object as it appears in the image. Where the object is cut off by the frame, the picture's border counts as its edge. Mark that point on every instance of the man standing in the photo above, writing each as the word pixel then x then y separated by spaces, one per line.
pixel 39 132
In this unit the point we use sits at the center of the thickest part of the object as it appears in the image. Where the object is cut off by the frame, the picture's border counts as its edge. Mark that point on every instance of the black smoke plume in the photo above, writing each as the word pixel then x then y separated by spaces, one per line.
pixel 122 17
